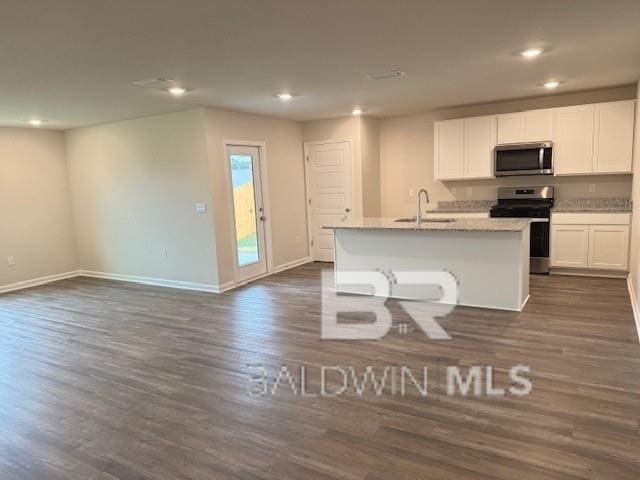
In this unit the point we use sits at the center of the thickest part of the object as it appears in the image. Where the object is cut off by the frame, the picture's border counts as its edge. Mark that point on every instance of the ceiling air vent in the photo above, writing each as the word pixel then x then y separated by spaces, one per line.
pixel 154 82
pixel 385 75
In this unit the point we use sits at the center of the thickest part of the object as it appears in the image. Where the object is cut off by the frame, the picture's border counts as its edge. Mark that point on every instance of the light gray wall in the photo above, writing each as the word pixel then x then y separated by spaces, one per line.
pixel 370 137
pixel 406 155
pixel 134 187
pixel 35 208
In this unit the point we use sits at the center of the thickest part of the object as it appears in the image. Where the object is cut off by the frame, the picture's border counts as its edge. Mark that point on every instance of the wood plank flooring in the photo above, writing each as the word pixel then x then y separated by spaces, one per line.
pixel 109 380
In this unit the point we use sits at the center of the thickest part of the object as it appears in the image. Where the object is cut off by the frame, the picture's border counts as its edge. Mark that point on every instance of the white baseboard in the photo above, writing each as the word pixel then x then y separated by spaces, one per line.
pixel 226 287
pixel 280 268
pixel 158 282
pixel 38 281
pixel 579 272
pixel 288 265
pixel 635 305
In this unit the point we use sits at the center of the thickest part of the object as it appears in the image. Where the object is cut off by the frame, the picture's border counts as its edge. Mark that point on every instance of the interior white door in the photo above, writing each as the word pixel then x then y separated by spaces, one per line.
pixel 248 211
pixel 329 193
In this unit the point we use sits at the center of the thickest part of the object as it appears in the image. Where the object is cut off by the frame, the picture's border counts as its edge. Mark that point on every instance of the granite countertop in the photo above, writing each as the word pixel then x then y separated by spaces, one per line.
pixel 458 225
pixel 593 205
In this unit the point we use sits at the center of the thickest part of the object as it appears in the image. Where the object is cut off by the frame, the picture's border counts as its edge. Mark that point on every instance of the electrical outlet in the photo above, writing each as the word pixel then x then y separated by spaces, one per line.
pixel 412 192
pixel 453 191
pixel 11 261
pixel 592 188
pixel 469 191
pixel 165 255
pixel 201 207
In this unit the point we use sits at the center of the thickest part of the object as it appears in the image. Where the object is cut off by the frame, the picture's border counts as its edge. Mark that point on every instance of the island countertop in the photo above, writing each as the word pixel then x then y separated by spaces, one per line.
pixel 457 225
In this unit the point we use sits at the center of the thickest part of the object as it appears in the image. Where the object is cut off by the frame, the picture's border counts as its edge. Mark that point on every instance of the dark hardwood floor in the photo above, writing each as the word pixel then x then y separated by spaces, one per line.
pixel 108 380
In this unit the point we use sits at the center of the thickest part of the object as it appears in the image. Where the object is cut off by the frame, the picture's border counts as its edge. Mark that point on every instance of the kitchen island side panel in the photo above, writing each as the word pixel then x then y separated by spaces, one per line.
pixel 492 268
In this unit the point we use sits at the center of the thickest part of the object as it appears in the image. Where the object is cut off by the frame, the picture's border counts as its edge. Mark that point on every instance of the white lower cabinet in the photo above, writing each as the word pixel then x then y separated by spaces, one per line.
pixel 598 241
pixel 570 246
pixel 608 246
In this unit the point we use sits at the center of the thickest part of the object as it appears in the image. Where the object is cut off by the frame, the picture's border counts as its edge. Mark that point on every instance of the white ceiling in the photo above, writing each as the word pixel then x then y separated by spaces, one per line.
pixel 72 62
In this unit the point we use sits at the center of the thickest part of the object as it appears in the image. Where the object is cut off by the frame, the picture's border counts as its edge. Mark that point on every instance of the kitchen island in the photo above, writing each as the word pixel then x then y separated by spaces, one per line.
pixel 489 257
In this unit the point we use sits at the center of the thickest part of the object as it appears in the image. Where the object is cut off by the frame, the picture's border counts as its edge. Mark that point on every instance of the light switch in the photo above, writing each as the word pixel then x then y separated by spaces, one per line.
pixel 11 261
pixel 469 191
pixel 201 207
pixel 412 192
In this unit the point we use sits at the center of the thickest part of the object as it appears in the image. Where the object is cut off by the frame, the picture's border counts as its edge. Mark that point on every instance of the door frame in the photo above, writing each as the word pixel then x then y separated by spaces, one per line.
pixel 268 240
pixel 306 182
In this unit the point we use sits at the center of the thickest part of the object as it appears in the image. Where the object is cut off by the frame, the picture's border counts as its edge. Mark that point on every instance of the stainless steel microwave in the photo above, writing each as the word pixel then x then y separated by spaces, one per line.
pixel 524 159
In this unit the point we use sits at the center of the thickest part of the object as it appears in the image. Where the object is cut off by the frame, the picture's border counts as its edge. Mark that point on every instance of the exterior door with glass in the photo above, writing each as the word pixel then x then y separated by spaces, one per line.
pixel 248 211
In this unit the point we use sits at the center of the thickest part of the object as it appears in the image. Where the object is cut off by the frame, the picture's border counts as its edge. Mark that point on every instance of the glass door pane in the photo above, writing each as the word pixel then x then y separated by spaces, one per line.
pixel 244 204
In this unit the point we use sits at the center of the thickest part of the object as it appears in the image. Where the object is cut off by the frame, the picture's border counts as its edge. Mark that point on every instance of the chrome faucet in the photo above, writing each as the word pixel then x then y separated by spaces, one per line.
pixel 419 212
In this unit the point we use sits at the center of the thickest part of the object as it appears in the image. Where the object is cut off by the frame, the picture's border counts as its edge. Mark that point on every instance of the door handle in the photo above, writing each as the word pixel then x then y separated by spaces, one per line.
pixel 346 213
pixel 262 218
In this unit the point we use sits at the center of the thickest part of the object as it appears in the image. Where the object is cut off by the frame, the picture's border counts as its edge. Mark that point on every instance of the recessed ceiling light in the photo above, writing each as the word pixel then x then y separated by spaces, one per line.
pixel 551 84
pixel 177 91
pixel 531 52
pixel 285 96
pixel 36 122
pixel 356 111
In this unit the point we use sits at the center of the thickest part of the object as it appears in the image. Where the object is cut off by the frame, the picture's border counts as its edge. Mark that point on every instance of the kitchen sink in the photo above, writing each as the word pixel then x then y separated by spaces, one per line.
pixel 427 220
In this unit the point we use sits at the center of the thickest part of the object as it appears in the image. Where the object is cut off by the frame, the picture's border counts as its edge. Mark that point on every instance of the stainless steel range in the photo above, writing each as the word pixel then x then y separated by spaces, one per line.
pixel 534 203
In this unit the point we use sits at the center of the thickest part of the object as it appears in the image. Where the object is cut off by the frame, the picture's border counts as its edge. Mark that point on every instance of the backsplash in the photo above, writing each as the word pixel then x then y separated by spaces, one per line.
pixel 576 204
pixel 617 204
pixel 592 186
pixel 465 205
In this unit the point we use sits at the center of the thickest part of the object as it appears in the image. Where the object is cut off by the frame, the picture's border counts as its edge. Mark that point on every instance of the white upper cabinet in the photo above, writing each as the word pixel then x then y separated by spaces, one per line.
pixel 573 140
pixel 510 128
pixel 613 149
pixel 479 142
pixel 529 126
pixel 587 139
pixel 591 139
pixel 448 143
pixel 538 125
